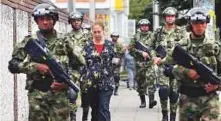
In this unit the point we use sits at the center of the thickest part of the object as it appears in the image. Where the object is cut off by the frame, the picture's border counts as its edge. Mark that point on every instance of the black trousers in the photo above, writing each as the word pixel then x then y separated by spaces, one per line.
pixel 99 101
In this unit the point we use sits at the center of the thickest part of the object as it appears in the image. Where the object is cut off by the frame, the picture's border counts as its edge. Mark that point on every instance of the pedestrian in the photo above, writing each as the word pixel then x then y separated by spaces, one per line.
pixel 199 100
pixel 130 65
pixel 79 37
pixel 47 97
pixel 99 53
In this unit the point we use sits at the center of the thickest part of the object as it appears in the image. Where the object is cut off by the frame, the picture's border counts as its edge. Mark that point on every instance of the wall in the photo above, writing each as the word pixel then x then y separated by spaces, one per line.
pixel 6 82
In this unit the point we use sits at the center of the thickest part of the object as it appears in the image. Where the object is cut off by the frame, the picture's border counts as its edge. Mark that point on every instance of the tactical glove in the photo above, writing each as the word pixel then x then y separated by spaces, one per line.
pixel 193 74
pixel 56 86
pixel 43 69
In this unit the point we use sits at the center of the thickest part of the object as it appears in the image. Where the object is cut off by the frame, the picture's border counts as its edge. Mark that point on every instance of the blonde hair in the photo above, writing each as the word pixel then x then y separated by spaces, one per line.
pixel 99 23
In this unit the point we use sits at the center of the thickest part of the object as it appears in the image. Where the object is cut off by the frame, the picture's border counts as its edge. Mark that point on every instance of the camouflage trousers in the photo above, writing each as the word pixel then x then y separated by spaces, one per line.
pixel 203 108
pixel 170 94
pixel 73 107
pixel 117 79
pixel 145 80
pixel 48 106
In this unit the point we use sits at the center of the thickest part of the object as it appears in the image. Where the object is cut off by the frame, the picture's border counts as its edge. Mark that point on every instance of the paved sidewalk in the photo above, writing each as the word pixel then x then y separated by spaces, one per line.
pixel 125 107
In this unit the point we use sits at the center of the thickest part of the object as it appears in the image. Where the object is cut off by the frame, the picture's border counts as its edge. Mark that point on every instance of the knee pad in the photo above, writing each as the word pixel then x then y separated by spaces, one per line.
pixel 164 92
pixel 173 96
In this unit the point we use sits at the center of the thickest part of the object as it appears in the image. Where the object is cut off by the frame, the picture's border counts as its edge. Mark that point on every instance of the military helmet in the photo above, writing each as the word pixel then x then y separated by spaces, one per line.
pixel 170 11
pixel 198 14
pixel 115 34
pixel 144 22
pixel 75 16
pixel 45 9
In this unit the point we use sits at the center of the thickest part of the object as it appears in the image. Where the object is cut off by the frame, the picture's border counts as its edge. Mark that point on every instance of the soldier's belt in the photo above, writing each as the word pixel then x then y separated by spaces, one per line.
pixel 194 91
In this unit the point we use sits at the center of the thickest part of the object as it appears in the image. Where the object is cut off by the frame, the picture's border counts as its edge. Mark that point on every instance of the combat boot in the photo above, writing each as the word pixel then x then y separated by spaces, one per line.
pixel 143 101
pixel 165 115
pixel 73 116
pixel 116 91
pixel 172 116
pixel 85 114
pixel 152 102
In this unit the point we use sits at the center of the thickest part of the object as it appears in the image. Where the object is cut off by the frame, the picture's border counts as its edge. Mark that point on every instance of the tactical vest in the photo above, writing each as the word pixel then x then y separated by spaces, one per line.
pixel 168 38
pixel 145 39
pixel 79 38
pixel 139 37
pixel 59 52
pixel 205 51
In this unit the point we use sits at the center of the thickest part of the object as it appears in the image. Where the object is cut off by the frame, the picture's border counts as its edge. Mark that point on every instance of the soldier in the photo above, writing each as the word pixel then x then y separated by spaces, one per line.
pixel 167 36
pixel 199 100
pixel 144 73
pixel 47 97
pixel 79 37
pixel 87 28
pixel 117 60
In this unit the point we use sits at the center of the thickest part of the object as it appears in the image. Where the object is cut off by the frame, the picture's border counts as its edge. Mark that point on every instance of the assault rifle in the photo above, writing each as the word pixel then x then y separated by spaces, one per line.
pixel 35 50
pixel 186 60
pixel 160 52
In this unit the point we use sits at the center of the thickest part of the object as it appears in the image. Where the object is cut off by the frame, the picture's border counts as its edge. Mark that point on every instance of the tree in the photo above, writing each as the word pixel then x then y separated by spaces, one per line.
pixel 137 8
pixel 178 4
pixel 143 8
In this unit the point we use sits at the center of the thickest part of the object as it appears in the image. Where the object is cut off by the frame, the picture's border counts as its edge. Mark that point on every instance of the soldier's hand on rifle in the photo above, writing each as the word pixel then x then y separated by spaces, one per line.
pixel 157 60
pixel 42 68
pixel 193 74
pixel 145 55
pixel 56 86
pixel 210 87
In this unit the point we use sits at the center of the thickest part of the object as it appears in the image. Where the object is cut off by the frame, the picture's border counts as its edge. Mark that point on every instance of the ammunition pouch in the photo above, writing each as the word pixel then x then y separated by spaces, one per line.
pixel 193 91
pixel 168 71
pixel 42 83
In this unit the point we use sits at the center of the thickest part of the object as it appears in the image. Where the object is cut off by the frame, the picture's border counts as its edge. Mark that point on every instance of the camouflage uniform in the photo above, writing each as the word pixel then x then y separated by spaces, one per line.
pixel 168 85
pixel 195 103
pixel 79 37
pixel 198 107
pixel 145 75
pixel 44 105
pixel 117 60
